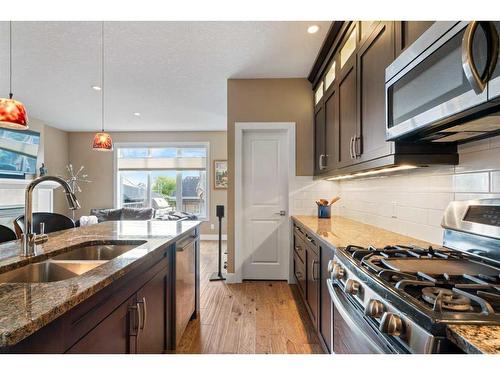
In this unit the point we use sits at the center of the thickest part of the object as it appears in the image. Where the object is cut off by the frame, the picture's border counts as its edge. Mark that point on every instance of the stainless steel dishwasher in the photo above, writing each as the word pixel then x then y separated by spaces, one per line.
pixel 185 283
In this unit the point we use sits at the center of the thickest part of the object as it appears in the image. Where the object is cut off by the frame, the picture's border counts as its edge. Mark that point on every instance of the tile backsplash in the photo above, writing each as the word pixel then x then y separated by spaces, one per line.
pixel 305 191
pixel 412 202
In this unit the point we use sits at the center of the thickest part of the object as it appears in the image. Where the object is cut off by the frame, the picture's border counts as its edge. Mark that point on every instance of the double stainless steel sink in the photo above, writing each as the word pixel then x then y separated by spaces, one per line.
pixel 76 261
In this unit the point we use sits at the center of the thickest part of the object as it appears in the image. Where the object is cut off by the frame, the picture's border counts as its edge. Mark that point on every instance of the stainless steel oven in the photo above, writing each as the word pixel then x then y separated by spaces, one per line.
pixel 446 86
pixel 351 332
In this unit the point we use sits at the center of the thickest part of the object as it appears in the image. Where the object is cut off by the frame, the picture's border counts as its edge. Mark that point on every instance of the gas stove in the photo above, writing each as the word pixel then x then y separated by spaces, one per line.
pixel 409 294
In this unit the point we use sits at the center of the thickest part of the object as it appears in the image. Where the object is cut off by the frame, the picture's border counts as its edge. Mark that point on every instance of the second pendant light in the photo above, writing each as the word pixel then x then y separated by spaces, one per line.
pixel 102 140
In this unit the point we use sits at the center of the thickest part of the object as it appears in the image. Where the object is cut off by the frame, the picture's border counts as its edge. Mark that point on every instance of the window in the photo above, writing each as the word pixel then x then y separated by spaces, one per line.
pixel 18 152
pixel 170 178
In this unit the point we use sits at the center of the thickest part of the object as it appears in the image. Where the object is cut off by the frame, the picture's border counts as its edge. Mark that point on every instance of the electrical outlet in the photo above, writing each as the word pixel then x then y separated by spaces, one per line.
pixel 212 226
pixel 394 213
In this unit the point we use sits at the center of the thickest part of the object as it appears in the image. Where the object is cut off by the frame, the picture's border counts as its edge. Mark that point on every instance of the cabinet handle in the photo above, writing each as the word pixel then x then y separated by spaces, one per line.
pixel 312 270
pixel 351 153
pixel 134 328
pixel 310 240
pixel 144 312
pixel 140 324
pixel 357 147
pixel 320 162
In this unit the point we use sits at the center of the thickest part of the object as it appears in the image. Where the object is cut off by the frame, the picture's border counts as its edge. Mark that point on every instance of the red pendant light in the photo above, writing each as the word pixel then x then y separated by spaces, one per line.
pixel 12 112
pixel 102 140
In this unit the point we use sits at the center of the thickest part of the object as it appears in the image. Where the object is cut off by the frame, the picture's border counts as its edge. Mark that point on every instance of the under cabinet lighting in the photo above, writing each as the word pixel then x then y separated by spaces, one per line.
pixel 97 88
pixel 137 114
pixel 373 172
pixel 313 29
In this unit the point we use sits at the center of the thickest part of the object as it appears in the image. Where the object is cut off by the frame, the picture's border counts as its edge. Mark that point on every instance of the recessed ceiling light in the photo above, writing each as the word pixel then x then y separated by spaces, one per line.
pixel 96 88
pixel 137 114
pixel 313 29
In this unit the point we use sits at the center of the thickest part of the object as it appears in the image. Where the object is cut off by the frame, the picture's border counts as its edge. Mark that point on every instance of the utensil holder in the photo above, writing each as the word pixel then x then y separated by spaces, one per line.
pixel 324 212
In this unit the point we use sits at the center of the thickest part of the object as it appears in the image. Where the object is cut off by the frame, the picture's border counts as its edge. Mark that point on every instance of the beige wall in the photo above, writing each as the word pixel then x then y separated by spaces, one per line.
pixel 269 100
pixel 99 166
pixel 56 158
pixel 53 151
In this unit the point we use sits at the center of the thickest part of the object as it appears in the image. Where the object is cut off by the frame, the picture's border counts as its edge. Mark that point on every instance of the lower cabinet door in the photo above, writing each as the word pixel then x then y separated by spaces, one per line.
pixel 114 335
pixel 300 274
pixel 151 302
pixel 312 293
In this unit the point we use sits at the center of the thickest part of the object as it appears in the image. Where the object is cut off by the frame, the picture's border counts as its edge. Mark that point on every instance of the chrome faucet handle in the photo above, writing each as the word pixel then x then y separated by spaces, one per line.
pixel 42 228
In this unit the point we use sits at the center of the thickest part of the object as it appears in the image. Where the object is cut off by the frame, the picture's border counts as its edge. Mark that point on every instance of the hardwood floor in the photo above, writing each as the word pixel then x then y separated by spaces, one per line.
pixel 252 317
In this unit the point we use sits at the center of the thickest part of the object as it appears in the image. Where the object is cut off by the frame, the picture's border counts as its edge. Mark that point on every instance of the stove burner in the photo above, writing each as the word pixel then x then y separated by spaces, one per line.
pixel 446 299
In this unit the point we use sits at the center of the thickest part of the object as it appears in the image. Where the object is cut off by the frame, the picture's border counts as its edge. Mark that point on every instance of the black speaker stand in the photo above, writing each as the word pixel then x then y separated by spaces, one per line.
pixel 217 276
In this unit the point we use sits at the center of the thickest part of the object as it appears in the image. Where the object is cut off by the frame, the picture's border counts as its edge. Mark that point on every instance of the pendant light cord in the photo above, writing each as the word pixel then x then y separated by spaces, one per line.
pixel 10 60
pixel 102 76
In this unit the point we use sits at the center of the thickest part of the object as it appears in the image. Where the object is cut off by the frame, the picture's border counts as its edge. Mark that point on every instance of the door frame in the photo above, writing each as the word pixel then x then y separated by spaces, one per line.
pixel 239 129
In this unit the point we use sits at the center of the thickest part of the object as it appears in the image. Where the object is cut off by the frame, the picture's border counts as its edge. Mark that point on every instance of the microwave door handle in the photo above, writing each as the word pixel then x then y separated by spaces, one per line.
pixel 477 82
pixel 493 47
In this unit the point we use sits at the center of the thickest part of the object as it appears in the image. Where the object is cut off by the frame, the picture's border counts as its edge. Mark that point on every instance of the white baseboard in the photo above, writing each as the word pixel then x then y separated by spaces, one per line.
pixel 212 237
pixel 232 278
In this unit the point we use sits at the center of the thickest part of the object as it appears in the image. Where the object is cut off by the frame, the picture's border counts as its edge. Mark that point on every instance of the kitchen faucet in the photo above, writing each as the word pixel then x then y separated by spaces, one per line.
pixel 30 239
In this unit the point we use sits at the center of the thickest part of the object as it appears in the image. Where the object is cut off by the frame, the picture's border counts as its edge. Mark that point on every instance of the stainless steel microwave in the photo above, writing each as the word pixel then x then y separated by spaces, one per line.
pixel 445 87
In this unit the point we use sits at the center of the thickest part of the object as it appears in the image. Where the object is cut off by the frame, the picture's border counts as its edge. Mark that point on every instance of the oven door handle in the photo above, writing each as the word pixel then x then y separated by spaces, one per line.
pixel 347 317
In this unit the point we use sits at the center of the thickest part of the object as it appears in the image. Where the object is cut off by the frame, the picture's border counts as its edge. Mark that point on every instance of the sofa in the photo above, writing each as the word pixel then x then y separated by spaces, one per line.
pixel 116 214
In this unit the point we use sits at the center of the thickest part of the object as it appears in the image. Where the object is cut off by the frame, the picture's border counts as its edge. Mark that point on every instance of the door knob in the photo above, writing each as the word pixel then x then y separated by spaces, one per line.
pixel 281 213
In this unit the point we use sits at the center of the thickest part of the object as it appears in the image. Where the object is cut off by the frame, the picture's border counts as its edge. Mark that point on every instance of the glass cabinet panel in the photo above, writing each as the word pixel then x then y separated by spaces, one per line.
pixel 330 76
pixel 318 94
pixel 348 48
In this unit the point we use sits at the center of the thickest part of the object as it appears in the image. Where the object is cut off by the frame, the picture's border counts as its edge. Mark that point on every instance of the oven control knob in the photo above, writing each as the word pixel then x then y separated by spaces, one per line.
pixel 337 272
pixel 331 264
pixel 352 287
pixel 392 324
pixel 374 308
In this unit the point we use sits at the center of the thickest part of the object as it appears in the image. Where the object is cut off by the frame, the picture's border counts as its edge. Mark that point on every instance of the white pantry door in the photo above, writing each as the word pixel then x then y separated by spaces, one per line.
pixel 265 204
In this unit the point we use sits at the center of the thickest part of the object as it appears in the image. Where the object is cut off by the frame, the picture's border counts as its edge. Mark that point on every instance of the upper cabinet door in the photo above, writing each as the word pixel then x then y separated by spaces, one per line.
pixel 346 131
pixel 319 141
pixel 373 57
pixel 331 125
pixel 409 31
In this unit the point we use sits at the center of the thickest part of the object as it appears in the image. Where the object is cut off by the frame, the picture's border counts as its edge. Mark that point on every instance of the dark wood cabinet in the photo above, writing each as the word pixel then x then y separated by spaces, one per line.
pixel 151 300
pixel 325 326
pixel 312 274
pixel 409 31
pixel 319 140
pixel 299 271
pixel 352 112
pixel 114 335
pixel 133 314
pixel 347 127
pixel 374 55
pixel 331 124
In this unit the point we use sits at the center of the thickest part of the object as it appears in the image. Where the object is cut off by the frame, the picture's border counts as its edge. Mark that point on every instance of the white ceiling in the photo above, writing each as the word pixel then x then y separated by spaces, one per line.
pixel 173 73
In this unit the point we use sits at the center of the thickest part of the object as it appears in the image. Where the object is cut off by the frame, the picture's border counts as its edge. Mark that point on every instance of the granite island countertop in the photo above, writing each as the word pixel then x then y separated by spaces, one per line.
pixel 27 307
pixel 340 232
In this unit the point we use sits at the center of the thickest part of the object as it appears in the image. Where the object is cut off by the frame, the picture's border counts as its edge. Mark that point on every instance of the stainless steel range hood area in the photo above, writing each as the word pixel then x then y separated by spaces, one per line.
pixel 445 87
